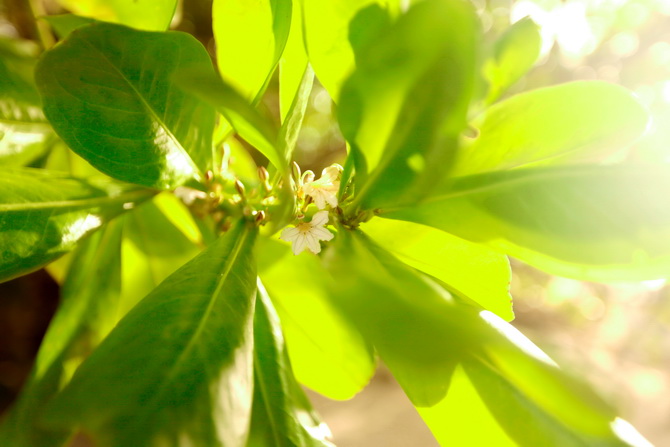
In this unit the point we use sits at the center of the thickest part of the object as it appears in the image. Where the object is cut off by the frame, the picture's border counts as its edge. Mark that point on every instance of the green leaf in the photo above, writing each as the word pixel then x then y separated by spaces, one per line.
pixel 178 368
pixel 293 64
pixel 462 418
pixel 571 123
pixel 514 53
pixel 458 263
pixel 24 131
pixel 244 118
pixel 419 330
pixel 326 26
pixel 590 222
pixel 153 248
pixel 422 333
pixel 282 415
pixel 406 102
pixel 44 214
pixel 87 312
pixel 108 93
pixel 250 38
pixel 518 382
pixel 64 24
pixel 150 15
pixel 327 353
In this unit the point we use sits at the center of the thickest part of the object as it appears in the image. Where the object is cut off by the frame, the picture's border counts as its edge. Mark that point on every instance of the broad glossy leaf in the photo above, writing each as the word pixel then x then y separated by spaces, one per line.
pixel 514 53
pixel 244 118
pixel 109 94
pixel 282 415
pixel 566 124
pixel 422 333
pixel 150 15
pixel 327 353
pixel 44 214
pixel 405 104
pixel 87 312
pixel 589 222
pixel 327 39
pixel 24 131
pixel 473 270
pixel 178 368
pixel 153 248
pixel 250 38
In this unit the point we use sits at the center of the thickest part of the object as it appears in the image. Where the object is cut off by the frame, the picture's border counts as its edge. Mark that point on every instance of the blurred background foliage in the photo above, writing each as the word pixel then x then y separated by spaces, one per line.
pixel 617 336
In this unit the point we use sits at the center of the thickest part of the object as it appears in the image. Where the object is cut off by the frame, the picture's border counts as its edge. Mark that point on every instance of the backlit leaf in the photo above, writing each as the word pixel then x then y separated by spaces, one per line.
pixel 565 124
pixel 327 353
pixel 150 15
pixel 250 38
pixel 590 222
pixel 458 263
pixel 514 53
pixel 405 104
pixel 423 333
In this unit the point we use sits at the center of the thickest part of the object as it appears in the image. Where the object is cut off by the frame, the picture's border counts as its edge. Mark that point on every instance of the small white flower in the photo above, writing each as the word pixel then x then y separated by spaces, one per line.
pixel 325 189
pixel 308 234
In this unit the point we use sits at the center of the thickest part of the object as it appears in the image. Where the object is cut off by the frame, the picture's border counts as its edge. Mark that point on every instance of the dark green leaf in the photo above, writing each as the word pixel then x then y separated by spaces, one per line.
pixel 250 38
pixel 151 15
pixel 24 131
pixel 514 53
pixel 178 368
pixel 108 93
pixel 246 120
pixel 566 124
pixel 87 312
pixel 406 102
pixel 43 215
pixel 327 353
pixel 282 415
pixel 589 222
pixel 458 263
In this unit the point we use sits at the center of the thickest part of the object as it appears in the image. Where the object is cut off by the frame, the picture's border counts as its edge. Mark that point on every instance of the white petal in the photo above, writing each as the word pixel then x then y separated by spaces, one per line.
pixel 289 234
pixel 319 200
pixel 319 219
pixel 330 174
pixel 321 233
pixel 299 244
pixel 312 243
pixel 331 199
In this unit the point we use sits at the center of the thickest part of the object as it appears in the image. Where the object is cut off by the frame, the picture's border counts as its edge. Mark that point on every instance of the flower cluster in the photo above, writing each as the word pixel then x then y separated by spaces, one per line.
pixel 323 192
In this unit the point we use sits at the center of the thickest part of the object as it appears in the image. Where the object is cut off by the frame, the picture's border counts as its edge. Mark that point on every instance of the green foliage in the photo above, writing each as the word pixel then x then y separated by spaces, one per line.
pixel 44 214
pixel 166 335
pixel 108 92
